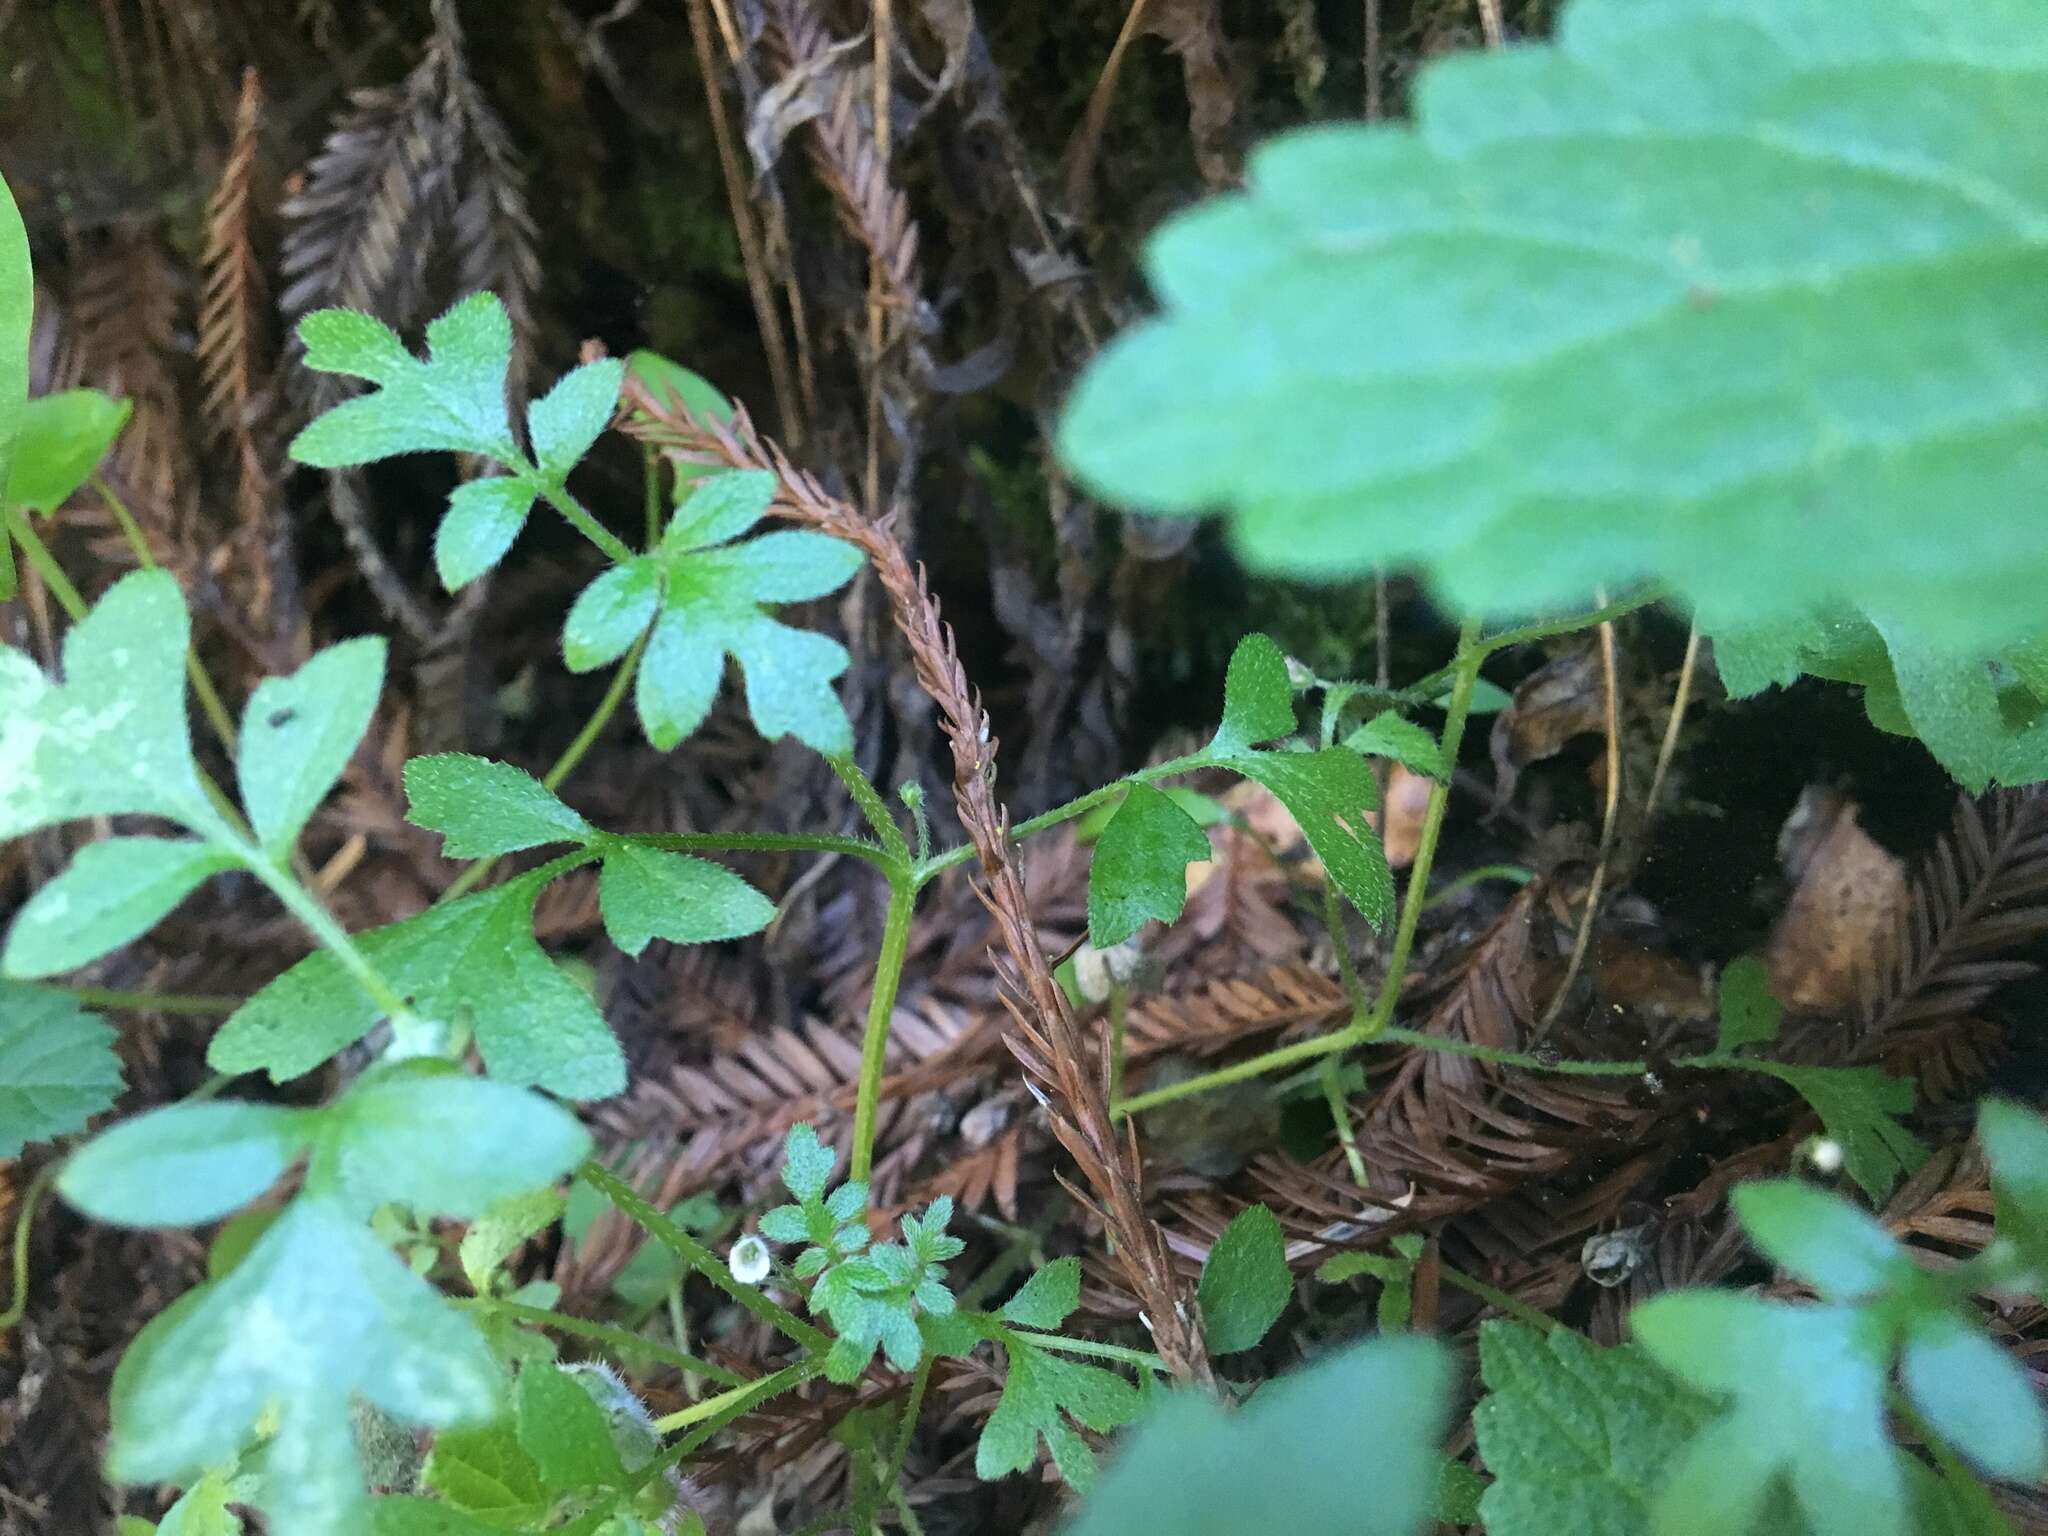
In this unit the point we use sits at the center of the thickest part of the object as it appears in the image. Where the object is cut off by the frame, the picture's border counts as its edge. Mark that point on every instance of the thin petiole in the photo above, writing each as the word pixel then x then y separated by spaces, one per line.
pixel 1142 1358
pixel 874 1046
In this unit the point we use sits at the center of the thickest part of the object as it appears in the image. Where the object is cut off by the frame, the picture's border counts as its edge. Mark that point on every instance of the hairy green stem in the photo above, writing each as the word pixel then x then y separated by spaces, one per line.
pixel 721 1411
pixel 760 842
pixel 152 1002
pixel 701 1258
pixel 872 806
pixel 316 920
pixel 1117 1352
pixel 874 1044
pixel 31 1197
pixel 621 1340
pixel 580 518
pixel 1514 873
pixel 1498 1299
pixel 912 1407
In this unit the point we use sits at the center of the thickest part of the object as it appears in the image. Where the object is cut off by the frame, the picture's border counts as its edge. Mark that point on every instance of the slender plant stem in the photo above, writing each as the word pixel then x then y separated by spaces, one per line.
pixel 872 806
pixel 31 1197
pixel 650 472
pixel 734 1401
pixel 558 497
pixel 1331 1079
pixel 1059 1341
pixel 912 1407
pixel 572 755
pixel 1514 873
pixel 701 1258
pixel 622 1340
pixel 210 702
pixel 938 863
pixel 911 1524
pixel 1432 682
pixel 1499 1299
pixel 874 1043
pixel 316 920
pixel 760 842
pixel 152 1002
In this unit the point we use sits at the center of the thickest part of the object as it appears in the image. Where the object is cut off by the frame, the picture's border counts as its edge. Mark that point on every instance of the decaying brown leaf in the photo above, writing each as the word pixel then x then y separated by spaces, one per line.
pixel 1562 699
pixel 1846 902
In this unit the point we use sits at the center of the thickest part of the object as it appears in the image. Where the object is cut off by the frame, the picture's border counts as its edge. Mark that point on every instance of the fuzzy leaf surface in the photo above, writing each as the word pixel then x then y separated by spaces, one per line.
pixel 113 891
pixel 1245 1283
pixel 57 1066
pixel 299 732
pixel 483 808
pixel 1139 870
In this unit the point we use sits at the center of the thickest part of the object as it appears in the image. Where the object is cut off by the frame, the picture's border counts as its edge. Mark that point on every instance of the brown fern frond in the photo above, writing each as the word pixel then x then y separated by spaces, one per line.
pixel 1981 893
pixel 1068 1078
pixel 841 142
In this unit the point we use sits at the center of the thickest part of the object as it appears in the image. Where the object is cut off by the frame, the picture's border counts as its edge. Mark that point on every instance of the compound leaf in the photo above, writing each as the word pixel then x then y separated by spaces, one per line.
pixel 1859 1108
pixel 1347 1447
pixel 185 1164
pixel 317 1313
pixel 564 422
pixel 1816 314
pixel 61 441
pixel 299 732
pixel 1042 1391
pixel 1245 1282
pixel 452 400
pixel 112 738
pixel 1140 867
pixel 112 891
pixel 1749 1014
pixel 1045 1300
pixel 1388 735
pixel 483 808
pixel 646 893
pixel 57 1065
pixel 474 961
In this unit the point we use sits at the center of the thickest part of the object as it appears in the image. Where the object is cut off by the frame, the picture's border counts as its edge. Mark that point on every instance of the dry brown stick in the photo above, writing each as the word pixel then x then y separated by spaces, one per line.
pixel 1046 1038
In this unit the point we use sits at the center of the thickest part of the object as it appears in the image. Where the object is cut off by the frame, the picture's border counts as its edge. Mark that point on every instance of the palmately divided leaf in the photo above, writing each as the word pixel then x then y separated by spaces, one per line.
pixel 1139 869
pixel 1749 1014
pixel 473 961
pixel 57 1066
pixel 316 1314
pixel 610 614
pixel 113 891
pixel 483 519
pixel 445 1143
pixel 299 733
pixel 185 1164
pixel 112 738
pixel 1859 1108
pixel 1245 1282
pixel 453 400
pixel 1815 316
pixel 1347 1447
pixel 61 441
pixel 483 808
pixel 714 606
pixel 646 893
pixel 1041 1392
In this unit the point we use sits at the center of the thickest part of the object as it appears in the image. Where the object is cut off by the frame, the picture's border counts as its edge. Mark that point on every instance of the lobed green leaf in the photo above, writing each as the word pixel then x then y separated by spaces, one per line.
pixel 1139 869
pixel 113 891
pixel 483 808
pixel 61 440
pixel 57 1065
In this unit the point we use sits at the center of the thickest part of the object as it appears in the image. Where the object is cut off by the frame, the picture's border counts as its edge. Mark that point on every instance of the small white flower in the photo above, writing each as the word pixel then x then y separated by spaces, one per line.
pixel 748 1260
pixel 1825 1153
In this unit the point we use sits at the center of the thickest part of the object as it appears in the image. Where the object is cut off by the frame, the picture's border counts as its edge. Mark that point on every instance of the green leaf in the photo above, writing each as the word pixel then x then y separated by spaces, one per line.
pixel 1857 1107
pixel 564 1432
pixel 2015 1143
pixel 1388 735
pixel 484 517
pixel 318 1313
pixel 564 422
pixel 445 1143
pixel 610 614
pixel 112 739
pixel 114 890
pixel 57 1063
pixel 453 400
pixel 472 960
pixel 1245 1283
pixel 1139 870
pixel 497 1234
pixel 299 733
pixel 1258 700
pixel 17 318
pixel 483 808
pixel 646 893
pixel 715 606
pixel 806 1164
pixel 1577 1438
pixel 670 380
pixel 185 1163
pixel 1806 1392
pixel 1347 1447
pixel 404 1515
pixel 1841 1251
pixel 484 1471
pixel 61 441
pixel 1977 730
pixel 1040 1393
pixel 1976 1396
pixel 1328 794
pixel 1047 1298
pixel 1749 1014
pixel 202 1510
pixel 1816 315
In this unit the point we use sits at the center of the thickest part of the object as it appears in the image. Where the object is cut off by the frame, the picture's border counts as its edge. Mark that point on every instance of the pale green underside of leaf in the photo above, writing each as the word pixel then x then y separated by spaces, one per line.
pixel 57 1066
pixel 113 891
pixel 1746 295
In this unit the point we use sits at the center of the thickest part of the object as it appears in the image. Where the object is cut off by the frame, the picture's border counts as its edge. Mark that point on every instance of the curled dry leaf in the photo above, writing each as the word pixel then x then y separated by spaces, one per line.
pixel 1847 897
pixel 1563 698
